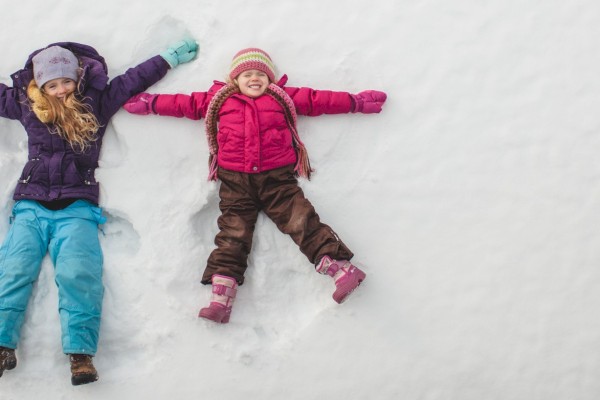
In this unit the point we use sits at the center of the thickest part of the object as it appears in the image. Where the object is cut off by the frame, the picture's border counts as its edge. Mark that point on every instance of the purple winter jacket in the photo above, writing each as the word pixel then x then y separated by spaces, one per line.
pixel 54 171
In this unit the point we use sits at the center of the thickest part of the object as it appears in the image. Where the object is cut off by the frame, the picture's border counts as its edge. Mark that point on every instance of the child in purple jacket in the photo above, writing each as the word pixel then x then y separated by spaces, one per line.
pixel 257 154
pixel 64 101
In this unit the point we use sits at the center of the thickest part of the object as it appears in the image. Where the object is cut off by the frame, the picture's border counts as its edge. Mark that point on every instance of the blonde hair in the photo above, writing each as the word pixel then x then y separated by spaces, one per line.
pixel 72 120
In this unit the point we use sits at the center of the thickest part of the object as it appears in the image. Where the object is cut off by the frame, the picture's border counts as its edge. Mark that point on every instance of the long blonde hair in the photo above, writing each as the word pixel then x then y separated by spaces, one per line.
pixel 71 119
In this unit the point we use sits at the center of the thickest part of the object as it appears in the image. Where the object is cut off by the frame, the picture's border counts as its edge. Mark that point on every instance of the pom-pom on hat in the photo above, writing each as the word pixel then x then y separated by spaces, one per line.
pixel 252 58
pixel 54 62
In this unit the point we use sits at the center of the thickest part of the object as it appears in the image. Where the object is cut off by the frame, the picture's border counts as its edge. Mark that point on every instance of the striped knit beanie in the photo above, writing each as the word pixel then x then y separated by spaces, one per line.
pixel 252 58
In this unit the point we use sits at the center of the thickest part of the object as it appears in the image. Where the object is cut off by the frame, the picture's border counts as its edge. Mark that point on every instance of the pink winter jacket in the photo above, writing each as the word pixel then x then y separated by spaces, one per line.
pixel 253 135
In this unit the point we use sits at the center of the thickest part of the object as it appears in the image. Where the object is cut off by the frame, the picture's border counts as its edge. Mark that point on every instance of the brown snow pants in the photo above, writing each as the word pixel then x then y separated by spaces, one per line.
pixel 278 195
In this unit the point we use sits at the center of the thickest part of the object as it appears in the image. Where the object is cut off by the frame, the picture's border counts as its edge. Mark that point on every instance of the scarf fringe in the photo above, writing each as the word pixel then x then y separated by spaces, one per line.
pixel 212 167
pixel 303 168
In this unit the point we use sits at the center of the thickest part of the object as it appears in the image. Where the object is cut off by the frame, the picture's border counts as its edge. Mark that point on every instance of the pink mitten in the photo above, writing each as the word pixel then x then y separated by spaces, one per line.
pixel 369 101
pixel 141 104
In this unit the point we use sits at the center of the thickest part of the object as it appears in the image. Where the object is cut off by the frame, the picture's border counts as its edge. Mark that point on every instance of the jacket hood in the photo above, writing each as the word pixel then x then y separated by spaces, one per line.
pixel 95 71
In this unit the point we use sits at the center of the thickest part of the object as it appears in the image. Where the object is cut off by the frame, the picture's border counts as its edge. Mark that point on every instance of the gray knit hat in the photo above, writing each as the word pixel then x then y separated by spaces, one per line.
pixel 54 62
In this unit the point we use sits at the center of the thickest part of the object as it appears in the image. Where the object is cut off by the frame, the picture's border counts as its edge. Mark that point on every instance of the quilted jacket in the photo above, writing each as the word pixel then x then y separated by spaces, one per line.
pixel 253 134
pixel 54 170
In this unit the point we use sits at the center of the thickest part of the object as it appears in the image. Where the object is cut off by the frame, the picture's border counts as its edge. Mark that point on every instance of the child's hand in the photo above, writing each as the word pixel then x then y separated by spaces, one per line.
pixel 141 104
pixel 180 52
pixel 369 101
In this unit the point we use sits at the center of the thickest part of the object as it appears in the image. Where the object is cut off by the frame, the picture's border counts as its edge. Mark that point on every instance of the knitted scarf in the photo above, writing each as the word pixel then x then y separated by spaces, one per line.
pixel 302 167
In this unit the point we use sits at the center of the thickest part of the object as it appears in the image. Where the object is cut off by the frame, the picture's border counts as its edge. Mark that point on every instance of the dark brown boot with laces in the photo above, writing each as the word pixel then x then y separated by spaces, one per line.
pixel 82 369
pixel 8 359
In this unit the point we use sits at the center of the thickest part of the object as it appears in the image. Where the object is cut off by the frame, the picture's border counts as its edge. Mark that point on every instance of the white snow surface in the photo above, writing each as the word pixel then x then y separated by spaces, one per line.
pixel 471 202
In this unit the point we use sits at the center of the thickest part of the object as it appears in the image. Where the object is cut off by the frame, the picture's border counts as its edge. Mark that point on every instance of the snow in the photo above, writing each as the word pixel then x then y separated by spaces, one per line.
pixel 471 202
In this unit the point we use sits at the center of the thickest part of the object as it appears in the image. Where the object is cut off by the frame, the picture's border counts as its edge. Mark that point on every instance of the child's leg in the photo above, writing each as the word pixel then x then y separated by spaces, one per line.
pixel 236 223
pixel 77 256
pixel 20 259
pixel 293 214
pixel 285 204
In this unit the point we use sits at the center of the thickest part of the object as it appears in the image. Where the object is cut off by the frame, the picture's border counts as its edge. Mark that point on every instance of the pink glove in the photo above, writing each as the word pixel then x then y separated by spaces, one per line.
pixel 142 104
pixel 368 101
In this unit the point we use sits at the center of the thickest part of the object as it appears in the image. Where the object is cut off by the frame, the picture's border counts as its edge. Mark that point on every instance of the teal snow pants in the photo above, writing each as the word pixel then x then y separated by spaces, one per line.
pixel 70 236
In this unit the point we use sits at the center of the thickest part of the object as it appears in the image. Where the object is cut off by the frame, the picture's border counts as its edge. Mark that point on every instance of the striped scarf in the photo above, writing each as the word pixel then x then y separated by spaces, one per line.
pixel 302 167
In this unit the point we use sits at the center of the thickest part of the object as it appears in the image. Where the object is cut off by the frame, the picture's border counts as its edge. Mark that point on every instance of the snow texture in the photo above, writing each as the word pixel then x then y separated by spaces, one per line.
pixel 471 202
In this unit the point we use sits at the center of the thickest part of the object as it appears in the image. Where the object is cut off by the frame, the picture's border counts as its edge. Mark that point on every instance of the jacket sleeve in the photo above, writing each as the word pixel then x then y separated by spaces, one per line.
pixel 135 80
pixel 10 104
pixel 313 102
pixel 191 106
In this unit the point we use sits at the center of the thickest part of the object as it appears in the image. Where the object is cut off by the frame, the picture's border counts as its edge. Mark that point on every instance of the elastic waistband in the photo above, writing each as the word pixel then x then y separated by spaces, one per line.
pixel 79 209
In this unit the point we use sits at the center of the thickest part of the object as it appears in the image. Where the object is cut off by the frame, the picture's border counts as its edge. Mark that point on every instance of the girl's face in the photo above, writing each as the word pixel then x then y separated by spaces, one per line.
pixel 252 83
pixel 60 87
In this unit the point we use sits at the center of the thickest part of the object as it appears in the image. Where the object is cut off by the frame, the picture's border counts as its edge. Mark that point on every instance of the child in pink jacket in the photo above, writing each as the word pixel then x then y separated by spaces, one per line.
pixel 256 153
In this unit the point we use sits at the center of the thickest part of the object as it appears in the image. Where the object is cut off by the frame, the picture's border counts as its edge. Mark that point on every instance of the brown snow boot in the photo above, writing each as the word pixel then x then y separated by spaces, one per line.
pixel 8 359
pixel 82 369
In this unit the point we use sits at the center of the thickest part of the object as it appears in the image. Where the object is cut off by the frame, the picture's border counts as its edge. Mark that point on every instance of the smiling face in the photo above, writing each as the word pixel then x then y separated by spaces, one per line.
pixel 60 87
pixel 252 82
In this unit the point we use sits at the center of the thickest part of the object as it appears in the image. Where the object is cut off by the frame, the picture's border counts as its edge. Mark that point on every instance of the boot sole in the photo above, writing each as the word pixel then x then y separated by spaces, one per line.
pixel 83 379
pixel 342 294
pixel 214 315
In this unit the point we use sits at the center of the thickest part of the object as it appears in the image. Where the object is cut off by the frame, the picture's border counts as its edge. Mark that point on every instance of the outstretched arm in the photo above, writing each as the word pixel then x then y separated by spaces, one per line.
pixel 173 105
pixel 317 102
pixel 141 77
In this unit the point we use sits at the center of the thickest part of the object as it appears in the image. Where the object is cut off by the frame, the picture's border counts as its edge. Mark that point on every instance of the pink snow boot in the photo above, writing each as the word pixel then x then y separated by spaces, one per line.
pixel 347 277
pixel 223 293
